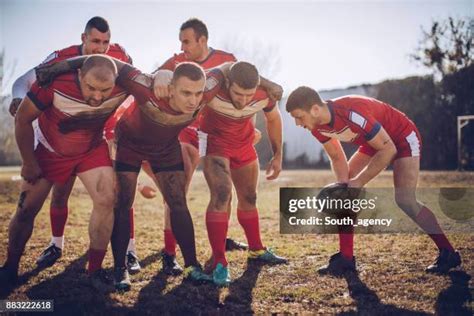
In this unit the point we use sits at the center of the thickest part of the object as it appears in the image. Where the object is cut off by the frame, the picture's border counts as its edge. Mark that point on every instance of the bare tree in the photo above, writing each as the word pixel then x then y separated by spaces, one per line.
pixel 8 149
pixel 265 56
pixel 447 47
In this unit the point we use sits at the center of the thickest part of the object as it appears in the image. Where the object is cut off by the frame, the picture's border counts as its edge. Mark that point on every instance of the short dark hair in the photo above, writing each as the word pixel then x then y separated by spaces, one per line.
pixel 102 61
pixel 198 26
pixel 303 98
pixel 98 23
pixel 244 74
pixel 189 70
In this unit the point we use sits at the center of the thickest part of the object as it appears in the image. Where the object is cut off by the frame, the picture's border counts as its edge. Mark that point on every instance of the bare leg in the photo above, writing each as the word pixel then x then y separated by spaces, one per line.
pixel 30 202
pixel 126 186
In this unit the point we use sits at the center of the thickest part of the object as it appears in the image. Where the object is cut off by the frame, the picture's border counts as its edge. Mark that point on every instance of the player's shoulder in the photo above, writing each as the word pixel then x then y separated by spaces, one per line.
pixel 64 53
pixel 261 94
pixel 66 85
pixel 118 51
pixel 178 58
pixel 223 55
pixel 117 48
pixel 69 79
pixel 350 102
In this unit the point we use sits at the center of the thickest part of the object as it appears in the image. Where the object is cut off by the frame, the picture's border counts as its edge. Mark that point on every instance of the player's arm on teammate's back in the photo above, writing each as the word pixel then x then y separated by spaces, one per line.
pixel 274 90
pixel 161 82
pixel 274 130
pixel 386 150
pixel 338 159
pixel 46 73
pixel 27 113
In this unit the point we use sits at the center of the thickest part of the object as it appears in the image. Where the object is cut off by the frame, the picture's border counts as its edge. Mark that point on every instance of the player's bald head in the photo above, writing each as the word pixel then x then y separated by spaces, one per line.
pixel 303 98
pixel 101 67
pixel 190 70
pixel 244 74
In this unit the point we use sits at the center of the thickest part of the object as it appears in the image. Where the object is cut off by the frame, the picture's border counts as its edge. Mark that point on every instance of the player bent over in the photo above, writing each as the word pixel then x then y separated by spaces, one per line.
pixel 71 113
pixel 384 135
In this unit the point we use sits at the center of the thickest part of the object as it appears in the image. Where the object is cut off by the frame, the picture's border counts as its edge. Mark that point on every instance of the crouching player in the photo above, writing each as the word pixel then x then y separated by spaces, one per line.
pixel 385 135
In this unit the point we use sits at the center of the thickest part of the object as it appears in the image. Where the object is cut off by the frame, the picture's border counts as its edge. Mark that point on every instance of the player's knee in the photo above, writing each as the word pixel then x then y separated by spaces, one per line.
pixel 26 214
pixel 407 204
pixel 250 198
pixel 105 199
pixel 59 200
pixel 178 205
pixel 223 194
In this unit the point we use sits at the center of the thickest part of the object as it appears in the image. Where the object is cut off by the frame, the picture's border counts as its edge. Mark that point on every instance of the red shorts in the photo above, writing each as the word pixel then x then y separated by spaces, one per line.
pixel 408 144
pixel 239 156
pixel 168 158
pixel 59 169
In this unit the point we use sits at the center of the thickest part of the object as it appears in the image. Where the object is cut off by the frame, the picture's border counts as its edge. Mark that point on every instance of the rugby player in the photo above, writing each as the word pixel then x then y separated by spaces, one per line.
pixel 95 40
pixel 385 136
pixel 230 159
pixel 71 114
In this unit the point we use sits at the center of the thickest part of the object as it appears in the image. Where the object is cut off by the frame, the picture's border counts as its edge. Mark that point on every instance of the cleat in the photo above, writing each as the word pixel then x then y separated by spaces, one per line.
pixel 8 277
pixel 338 265
pixel 266 256
pixel 133 264
pixel 100 280
pixel 231 244
pixel 221 275
pixel 195 275
pixel 445 261
pixel 49 256
pixel 122 279
pixel 170 265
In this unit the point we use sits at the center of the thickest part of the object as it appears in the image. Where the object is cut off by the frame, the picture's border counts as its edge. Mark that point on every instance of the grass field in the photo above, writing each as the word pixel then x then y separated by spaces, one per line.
pixel 391 277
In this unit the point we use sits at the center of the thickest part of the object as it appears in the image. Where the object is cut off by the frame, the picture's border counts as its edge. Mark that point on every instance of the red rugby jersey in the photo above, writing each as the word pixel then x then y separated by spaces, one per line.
pixel 153 125
pixel 357 119
pixel 214 59
pixel 233 126
pixel 69 126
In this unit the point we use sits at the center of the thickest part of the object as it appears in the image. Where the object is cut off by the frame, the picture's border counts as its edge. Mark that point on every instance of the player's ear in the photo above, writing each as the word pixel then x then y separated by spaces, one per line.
pixel 83 38
pixel 314 110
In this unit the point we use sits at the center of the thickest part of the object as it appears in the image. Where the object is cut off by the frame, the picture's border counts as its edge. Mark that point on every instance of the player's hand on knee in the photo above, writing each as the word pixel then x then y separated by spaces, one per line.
pixel 274 168
pixel 31 172
pixel 13 108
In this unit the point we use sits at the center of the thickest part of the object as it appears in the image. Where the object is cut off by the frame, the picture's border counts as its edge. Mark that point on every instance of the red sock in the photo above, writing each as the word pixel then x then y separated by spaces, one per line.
pixel 170 242
pixel 346 242
pixel 58 217
pixel 427 221
pixel 249 221
pixel 96 257
pixel 132 224
pixel 217 224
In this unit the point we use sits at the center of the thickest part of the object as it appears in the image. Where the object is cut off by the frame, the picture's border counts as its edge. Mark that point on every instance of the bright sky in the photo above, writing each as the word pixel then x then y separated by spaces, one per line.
pixel 332 44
